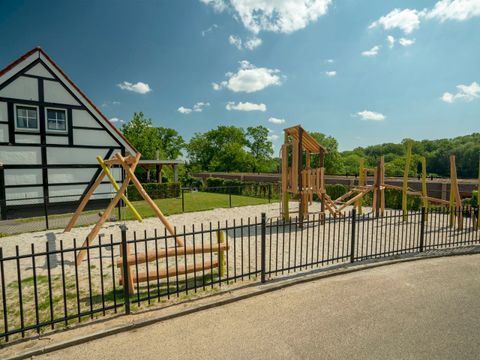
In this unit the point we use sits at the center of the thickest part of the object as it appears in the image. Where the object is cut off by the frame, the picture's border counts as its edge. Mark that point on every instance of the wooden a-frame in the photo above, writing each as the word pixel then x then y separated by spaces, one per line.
pixel 128 164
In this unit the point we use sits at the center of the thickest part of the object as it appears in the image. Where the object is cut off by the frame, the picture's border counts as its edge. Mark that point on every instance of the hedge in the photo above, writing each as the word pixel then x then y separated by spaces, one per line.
pixel 155 190
pixel 238 187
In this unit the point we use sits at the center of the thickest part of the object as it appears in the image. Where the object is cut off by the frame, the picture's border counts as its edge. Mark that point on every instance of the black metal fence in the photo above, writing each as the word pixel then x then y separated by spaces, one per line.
pixel 42 289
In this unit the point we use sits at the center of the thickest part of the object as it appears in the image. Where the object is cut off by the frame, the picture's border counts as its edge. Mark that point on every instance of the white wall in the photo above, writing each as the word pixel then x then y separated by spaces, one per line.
pixel 92 137
pixel 54 92
pixel 73 192
pixel 83 118
pixel 3 111
pixel 39 70
pixel 62 140
pixel 4 133
pixel 66 155
pixel 20 155
pixel 27 139
pixel 23 176
pixel 18 194
pixel 24 88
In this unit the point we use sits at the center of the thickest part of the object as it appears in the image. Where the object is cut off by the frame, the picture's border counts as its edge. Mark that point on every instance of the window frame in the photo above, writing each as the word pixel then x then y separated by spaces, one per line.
pixel 32 130
pixel 56 130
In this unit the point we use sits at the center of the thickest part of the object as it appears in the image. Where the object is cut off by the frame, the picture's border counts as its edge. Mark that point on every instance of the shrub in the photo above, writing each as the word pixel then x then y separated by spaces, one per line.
pixel 155 191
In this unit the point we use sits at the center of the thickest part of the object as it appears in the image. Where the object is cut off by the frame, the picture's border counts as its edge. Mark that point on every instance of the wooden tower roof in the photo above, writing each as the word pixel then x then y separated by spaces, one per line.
pixel 308 141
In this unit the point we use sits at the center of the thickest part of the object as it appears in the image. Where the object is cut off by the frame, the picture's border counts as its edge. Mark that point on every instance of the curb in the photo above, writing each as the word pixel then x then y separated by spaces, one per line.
pixel 259 289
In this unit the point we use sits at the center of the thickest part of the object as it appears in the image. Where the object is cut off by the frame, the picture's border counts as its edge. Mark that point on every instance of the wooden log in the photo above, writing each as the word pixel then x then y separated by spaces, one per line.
pixel 130 272
pixel 93 233
pixel 285 207
pixel 344 196
pixel 172 271
pixel 405 180
pixel 84 202
pixel 153 255
pixel 352 200
pixel 149 200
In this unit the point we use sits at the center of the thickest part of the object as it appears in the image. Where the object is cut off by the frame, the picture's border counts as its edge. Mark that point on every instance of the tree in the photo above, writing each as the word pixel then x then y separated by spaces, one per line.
pixel 171 142
pixel 333 160
pixel 220 149
pixel 142 135
pixel 261 148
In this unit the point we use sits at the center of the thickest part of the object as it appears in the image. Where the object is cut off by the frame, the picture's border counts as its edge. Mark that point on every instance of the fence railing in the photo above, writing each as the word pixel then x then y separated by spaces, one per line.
pixel 42 289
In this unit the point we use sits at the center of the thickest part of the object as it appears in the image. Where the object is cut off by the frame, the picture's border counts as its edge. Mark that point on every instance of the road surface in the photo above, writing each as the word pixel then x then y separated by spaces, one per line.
pixel 414 310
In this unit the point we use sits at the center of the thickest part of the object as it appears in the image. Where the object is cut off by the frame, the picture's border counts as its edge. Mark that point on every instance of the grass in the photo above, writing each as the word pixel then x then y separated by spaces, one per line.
pixel 194 201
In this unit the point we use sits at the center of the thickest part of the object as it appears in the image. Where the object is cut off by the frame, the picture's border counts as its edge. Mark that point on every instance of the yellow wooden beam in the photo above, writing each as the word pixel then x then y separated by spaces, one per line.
pixel 107 171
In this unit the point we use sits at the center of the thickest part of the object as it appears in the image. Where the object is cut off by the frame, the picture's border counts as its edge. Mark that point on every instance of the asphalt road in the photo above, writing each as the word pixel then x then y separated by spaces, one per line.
pixel 428 309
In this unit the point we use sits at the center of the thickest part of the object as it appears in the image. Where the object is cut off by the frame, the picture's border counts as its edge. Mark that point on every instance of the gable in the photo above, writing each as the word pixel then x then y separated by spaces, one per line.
pixel 35 70
pixel 39 70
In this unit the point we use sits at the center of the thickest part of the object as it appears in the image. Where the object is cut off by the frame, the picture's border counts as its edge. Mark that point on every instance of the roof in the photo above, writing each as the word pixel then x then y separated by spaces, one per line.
pixel 308 141
pixel 38 53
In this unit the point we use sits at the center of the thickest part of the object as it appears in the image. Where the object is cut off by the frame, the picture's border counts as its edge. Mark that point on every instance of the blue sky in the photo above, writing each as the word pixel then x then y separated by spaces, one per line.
pixel 326 64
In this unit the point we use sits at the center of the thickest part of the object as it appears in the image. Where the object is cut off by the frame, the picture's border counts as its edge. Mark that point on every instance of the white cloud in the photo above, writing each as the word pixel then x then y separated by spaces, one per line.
pixel 331 73
pixel 282 16
pixel 406 42
pixel 329 61
pixel 273 137
pixel 371 115
pixel 406 20
pixel 454 10
pixel 250 79
pixel 218 5
pixel 276 121
pixel 198 107
pixel 391 41
pixel 114 120
pixel 249 44
pixel 209 30
pixel 139 87
pixel 245 106
pixel 372 52
pixel 465 93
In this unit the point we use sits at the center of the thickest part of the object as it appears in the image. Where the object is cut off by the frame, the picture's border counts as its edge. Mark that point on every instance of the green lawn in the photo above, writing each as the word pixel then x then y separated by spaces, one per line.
pixel 194 201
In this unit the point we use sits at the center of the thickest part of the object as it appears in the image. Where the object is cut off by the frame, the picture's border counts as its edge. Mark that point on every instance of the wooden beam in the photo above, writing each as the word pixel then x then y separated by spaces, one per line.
pixel 405 180
pixel 147 198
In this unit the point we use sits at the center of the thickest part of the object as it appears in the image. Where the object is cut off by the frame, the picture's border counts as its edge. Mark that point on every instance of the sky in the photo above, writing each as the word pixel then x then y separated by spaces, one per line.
pixel 364 72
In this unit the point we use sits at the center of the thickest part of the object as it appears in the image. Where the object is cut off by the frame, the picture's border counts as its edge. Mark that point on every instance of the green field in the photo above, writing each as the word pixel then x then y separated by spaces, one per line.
pixel 194 201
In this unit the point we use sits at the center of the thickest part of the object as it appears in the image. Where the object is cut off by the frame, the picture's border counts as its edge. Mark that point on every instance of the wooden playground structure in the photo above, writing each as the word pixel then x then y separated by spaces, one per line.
pixel 299 178
pixel 128 165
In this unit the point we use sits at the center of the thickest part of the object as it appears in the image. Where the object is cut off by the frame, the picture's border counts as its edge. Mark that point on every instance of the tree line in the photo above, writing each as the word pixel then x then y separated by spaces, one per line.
pixel 234 149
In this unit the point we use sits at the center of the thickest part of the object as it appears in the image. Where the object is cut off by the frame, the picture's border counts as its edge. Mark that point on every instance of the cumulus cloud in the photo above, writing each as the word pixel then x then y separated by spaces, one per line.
pixel 331 73
pixel 139 87
pixel 281 16
pixel 464 93
pixel 250 78
pixel 371 115
pixel 198 107
pixel 372 52
pixel 329 61
pixel 273 137
pixel 391 41
pixel 406 20
pixel 245 106
pixel 406 42
pixel 250 43
pixel 276 121
pixel 459 10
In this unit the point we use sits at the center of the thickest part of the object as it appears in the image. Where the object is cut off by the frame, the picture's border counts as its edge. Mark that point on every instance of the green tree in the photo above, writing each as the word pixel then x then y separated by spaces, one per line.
pixel 142 135
pixel 260 147
pixel 171 142
pixel 333 160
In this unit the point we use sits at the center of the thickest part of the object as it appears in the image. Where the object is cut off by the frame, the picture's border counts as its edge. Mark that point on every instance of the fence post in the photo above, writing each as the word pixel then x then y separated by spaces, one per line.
pixel 353 235
pixel 45 210
pixel 183 200
pixel 126 273
pixel 422 229
pixel 263 246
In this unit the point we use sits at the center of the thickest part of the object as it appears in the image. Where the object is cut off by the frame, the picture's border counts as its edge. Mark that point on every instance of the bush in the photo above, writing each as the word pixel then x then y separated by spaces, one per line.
pixel 155 191
pixel 238 187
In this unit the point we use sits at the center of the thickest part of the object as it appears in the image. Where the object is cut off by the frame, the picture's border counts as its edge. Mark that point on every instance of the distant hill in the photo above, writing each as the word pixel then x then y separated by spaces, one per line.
pixel 465 148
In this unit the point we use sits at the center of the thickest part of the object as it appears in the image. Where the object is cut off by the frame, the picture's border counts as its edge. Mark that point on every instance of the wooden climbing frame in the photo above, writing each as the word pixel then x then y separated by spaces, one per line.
pixel 128 164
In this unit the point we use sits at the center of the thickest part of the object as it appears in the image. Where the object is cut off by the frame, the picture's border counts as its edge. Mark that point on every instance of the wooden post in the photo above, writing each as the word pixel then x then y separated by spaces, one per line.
pixel 300 166
pixel 424 183
pixel 478 197
pixel 455 199
pixel 361 182
pixel 147 198
pixel 322 184
pixel 221 254
pixel 405 181
pixel 382 185
pixel 286 214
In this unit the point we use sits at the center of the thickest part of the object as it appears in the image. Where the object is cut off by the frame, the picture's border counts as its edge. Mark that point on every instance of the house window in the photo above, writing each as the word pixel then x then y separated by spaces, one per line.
pixel 56 120
pixel 27 118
